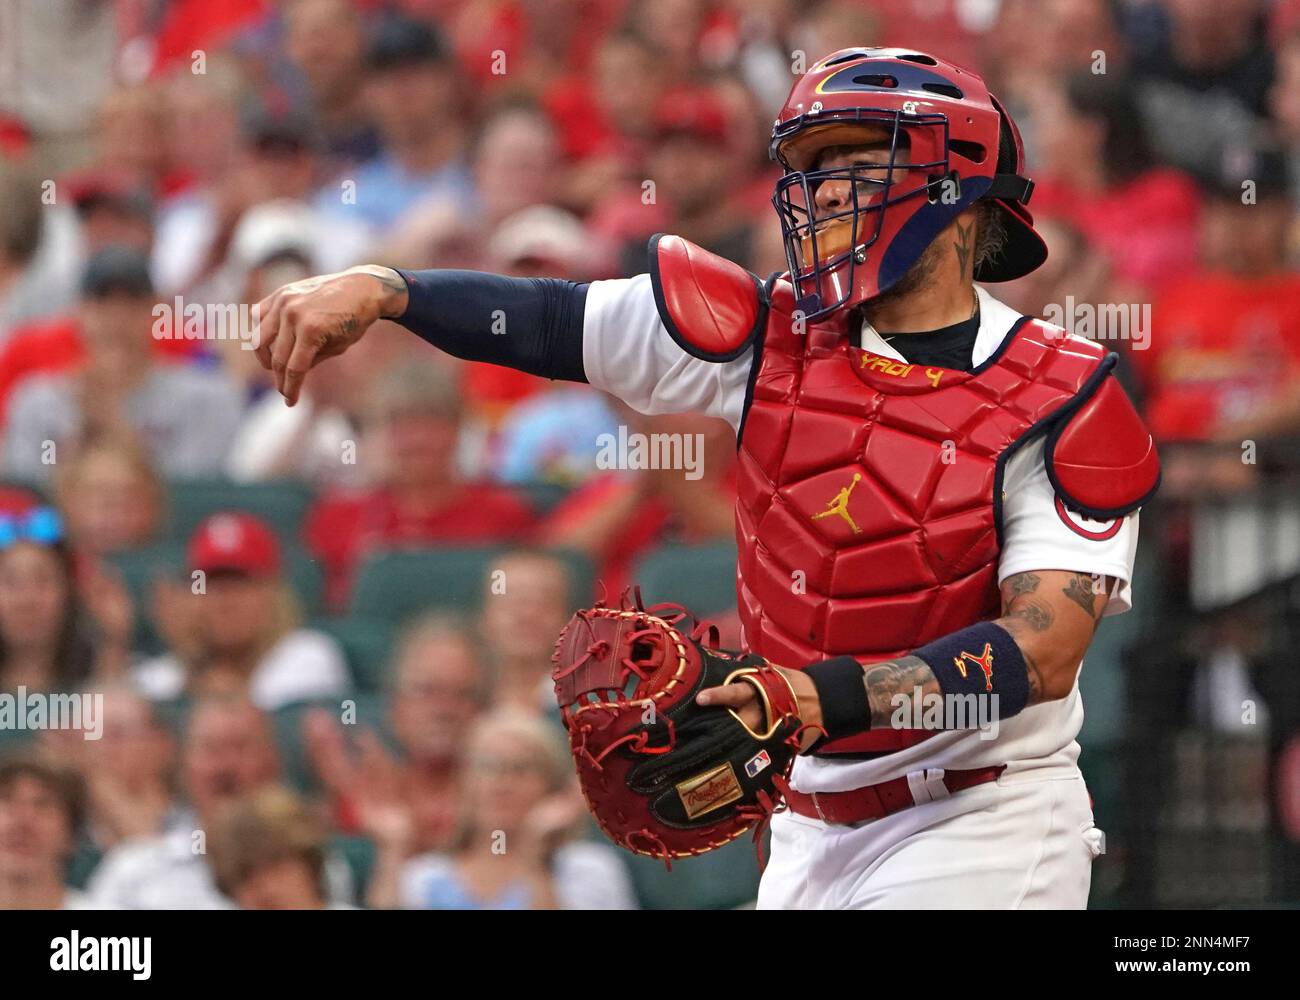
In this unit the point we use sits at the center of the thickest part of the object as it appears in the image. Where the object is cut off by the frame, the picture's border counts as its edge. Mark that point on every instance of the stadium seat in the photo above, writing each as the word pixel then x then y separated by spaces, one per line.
pixel 396 585
pixel 296 769
pixel 367 644
pixel 281 503
pixel 139 568
pixel 307 578
pixel 544 497
pixel 359 854
pixel 699 577
pixel 720 880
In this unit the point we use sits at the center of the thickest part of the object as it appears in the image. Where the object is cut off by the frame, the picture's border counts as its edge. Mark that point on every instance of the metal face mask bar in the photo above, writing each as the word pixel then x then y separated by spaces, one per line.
pixel 823 252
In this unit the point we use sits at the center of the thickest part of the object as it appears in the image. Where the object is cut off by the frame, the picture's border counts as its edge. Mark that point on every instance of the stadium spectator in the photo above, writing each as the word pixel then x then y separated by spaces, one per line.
pixel 1205 79
pixel 516 849
pixel 1097 170
pixel 128 773
pixel 228 753
pixel 27 290
pixel 617 517
pixel 185 416
pixel 537 430
pixel 41 811
pixel 527 597
pixel 1033 42
pixel 415 416
pixel 243 626
pixel 113 209
pixel 438 684
pixel 694 170
pixel 41 46
pixel 111 497
pixel 1285 105
pixel 268 852
pixel 49 638
pixel 603 124
pixel 1224 363
pixel 411 92
pixel 515 164
pixel 1242 303
pixel 126 132
pixel 194 223
pixel 325 41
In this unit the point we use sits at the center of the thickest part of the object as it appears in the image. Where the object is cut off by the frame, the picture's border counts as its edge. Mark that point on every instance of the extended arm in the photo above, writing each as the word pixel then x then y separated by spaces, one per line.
pixel 532 324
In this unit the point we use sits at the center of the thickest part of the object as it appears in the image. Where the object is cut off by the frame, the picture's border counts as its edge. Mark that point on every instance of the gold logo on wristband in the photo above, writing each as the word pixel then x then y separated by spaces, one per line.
pixel 984 661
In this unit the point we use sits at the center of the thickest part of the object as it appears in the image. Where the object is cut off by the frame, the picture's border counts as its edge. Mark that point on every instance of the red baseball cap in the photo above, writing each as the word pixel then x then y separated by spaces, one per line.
pixel 234 541
pixel 692 111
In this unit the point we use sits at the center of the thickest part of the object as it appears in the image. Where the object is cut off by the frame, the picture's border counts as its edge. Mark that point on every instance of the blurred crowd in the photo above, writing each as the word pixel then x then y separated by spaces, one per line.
pixel 163 161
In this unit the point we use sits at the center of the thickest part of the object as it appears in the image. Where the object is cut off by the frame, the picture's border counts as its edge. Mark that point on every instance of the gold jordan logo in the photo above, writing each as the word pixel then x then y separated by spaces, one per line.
pixel 840 506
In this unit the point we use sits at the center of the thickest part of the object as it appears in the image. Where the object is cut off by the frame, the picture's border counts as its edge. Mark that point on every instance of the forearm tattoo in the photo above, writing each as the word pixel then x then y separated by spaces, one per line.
pixel 887 682
pixel 1024 614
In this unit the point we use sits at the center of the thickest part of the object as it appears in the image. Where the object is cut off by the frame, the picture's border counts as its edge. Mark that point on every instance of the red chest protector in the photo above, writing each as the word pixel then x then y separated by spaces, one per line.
pixel 868 512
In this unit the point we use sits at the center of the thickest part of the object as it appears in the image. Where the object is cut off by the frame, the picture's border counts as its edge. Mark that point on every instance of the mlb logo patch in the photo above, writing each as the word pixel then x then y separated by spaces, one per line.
pixel 756 763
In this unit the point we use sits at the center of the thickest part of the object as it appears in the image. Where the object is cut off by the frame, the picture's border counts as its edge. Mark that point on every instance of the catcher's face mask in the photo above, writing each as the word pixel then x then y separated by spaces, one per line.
pixel 882 149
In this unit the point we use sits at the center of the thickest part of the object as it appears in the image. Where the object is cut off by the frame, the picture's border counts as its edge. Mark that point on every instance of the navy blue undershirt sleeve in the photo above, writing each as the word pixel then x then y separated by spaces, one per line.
pixel 532 324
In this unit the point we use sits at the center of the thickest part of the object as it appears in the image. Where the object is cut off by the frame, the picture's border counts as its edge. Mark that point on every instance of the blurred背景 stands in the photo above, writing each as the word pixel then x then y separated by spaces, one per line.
pixel 241 629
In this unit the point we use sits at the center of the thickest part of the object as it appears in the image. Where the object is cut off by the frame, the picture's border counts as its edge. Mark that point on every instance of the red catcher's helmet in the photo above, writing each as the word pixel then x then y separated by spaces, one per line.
pixel 951 143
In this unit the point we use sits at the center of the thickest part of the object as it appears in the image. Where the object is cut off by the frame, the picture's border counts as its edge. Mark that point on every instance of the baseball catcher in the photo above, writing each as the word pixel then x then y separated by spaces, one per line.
pixel 937 501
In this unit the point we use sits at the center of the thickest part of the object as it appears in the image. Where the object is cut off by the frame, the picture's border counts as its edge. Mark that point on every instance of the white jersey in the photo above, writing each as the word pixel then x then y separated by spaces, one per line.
pixel 628 353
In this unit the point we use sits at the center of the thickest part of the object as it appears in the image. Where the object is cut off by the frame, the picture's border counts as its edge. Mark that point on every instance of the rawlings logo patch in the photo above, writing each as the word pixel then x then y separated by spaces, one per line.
pixel 708 791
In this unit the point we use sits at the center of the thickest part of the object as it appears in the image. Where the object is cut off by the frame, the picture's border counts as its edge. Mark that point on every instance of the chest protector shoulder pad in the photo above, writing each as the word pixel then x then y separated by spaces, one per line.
pixel 712 308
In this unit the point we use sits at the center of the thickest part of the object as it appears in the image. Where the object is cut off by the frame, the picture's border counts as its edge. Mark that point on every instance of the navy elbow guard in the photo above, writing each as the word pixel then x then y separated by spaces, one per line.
pixel 984 661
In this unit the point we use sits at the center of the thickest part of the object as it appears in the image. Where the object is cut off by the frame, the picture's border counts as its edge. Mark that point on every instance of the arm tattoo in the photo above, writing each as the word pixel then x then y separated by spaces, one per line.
pixel 1023 615
pixel 1080 591
pixel 887 682
pixel 1021 610
pixel 1023 583
pixel 962 245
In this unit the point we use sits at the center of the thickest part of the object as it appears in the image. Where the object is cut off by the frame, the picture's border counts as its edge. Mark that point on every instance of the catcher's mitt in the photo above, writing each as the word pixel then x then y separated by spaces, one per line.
pixel 664 776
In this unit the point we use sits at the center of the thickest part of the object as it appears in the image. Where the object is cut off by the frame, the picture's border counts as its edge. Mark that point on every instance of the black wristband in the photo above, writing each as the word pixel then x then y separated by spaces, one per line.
pixel 842 696
pixel 983 661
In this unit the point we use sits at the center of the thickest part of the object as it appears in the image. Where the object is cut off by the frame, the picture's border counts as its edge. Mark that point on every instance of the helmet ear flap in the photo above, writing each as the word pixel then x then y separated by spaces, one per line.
pixel 1009 146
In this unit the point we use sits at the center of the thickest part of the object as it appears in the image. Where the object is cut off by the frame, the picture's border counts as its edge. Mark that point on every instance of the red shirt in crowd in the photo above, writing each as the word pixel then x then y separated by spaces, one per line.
pixel 1147 228
pixel 342 528
pixel 55 346
pixel 649 524
pixel 1221 346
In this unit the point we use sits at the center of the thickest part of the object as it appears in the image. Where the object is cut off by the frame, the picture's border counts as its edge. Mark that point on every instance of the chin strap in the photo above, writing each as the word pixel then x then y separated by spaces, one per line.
pixel 1011 187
